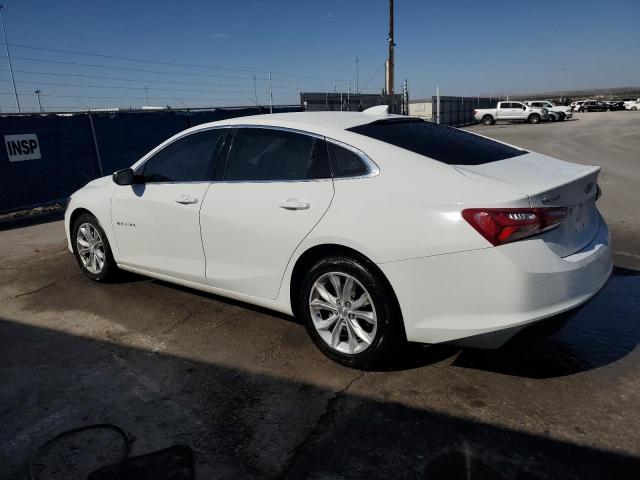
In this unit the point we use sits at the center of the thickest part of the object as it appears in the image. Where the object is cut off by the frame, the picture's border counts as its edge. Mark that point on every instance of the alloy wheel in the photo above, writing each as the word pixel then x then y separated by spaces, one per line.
pixel 343 313
pixel 90 248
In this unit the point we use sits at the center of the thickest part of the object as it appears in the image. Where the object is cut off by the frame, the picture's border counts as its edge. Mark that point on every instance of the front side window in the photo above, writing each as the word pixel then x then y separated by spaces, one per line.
pixel 189 159
pixel 263 154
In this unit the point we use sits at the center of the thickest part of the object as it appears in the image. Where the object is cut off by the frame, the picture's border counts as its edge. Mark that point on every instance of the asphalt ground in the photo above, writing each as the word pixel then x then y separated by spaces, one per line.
pixel 249 393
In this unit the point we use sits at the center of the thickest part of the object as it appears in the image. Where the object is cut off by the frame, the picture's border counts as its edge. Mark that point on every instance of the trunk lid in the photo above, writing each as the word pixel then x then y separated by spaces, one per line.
pixel 549 182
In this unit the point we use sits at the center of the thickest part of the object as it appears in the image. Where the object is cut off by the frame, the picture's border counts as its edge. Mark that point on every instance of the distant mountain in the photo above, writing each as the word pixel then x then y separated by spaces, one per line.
pixel 596 93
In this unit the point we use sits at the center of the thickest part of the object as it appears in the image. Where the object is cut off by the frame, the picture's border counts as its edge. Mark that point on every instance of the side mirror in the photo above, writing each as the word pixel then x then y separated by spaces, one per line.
pixel 124 177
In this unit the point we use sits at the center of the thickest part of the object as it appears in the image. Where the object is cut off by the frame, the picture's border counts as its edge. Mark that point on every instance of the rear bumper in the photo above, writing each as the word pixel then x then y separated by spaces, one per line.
pixel 496 291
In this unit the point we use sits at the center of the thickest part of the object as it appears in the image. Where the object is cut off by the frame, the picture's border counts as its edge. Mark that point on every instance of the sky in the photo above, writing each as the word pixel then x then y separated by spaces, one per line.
pixel 199 53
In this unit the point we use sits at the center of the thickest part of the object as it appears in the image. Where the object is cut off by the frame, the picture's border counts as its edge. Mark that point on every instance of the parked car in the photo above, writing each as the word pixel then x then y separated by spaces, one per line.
pixel 509 111
pixel 326 216
pixel 593 106
pixel 575 106
pixel 551 107
pixel 629 102
pixel 614 105
pixel 632 105
pixel 556 116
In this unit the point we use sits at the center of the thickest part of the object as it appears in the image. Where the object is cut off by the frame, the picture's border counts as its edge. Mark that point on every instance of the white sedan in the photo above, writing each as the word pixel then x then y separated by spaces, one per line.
pixel 372 229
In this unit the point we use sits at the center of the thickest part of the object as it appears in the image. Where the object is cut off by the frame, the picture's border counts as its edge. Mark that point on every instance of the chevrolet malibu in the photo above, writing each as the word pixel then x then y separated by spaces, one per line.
pixel 372 229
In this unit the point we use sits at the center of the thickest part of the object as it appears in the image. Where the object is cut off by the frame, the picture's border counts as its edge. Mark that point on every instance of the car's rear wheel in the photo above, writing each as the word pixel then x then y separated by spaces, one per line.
pixel 92 249
pixel 350 312
pixel 534 118
pixel 488 120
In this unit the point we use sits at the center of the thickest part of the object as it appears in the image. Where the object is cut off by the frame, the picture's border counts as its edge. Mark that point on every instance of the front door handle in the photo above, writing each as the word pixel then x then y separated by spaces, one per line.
pixel 186 199
pixel 294 204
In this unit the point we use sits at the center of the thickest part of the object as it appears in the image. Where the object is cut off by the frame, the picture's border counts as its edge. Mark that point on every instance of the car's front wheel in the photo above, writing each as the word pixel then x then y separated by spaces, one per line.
pixel 92 249
pixel 350 312
pixel 534 118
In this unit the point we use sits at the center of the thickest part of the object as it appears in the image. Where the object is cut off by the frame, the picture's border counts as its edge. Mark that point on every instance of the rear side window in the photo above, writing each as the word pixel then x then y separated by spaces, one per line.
pixel 445 144
pixel 262 154
pixel 189 159
pixel 345 162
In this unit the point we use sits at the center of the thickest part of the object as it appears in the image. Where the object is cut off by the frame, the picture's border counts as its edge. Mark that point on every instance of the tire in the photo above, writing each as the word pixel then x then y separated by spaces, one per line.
pixel 534 118
pixel 87 234
pixel 635 109
pixel 337 332
pixel 488 120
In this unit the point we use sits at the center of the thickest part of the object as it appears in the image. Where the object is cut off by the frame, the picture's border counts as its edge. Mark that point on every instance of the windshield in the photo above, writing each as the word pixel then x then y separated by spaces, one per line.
pixel 439 142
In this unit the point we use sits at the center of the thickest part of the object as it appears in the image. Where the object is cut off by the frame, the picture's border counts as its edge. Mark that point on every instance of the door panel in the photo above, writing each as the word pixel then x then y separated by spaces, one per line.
pixel 277 186
pixel 250 231
pixel 157 228
pixel 157 220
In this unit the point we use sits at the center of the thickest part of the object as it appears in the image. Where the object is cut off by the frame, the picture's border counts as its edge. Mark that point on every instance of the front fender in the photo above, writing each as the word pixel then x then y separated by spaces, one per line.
pixel 95 198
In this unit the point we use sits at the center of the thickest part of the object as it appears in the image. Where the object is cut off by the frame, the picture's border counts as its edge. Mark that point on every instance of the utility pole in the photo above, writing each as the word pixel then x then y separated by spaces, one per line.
pixel 146 92
pixel 389 83
pixel 357 90
pixel 270 95
pixel 6 44
pixel 38 92
pixel 255 90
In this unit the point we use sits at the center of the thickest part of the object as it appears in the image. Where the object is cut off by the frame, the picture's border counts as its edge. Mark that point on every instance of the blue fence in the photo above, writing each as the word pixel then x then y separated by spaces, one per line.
pixel 68 155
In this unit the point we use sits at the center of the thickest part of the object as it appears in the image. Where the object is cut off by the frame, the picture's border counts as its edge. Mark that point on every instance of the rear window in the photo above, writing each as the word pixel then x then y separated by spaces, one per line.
pixel 445 144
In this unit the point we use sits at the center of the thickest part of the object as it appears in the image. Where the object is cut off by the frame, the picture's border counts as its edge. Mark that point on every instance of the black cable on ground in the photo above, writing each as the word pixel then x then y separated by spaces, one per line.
pixel 127 441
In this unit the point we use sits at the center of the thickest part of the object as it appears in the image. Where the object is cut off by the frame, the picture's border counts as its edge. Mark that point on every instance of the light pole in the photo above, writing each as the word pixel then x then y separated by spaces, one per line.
pixel 146 92
pixel 357 90
pixel 38 92
pixel 6 44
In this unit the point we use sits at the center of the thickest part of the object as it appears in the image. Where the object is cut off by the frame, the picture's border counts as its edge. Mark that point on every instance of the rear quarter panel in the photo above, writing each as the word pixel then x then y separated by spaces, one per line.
pixel 410 209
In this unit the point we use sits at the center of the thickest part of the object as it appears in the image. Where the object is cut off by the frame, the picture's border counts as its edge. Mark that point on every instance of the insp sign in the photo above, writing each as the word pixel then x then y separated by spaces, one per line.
pixel 22 147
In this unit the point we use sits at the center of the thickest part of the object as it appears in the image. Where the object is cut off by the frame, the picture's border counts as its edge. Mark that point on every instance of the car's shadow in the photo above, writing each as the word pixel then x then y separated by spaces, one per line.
pixel 602 332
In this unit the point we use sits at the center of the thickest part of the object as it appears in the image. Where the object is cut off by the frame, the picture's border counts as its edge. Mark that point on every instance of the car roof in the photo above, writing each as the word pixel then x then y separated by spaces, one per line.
pixel 308 121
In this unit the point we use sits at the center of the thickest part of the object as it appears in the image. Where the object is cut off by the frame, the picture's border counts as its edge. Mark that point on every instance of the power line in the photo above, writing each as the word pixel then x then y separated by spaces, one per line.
pixel 112 67
pixel 122 87
pixel 126 98
pixel 157 62
pixel 122 79
pixel 109 67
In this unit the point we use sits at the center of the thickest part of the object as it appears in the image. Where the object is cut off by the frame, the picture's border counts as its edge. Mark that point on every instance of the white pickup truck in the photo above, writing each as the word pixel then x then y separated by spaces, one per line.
pixel 510 111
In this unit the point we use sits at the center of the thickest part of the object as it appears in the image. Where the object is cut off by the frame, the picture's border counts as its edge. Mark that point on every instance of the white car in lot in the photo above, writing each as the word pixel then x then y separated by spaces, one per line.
pixel 575 106
pixel 510 111
pixel 371 229
pixel 632 105
pixel 551 107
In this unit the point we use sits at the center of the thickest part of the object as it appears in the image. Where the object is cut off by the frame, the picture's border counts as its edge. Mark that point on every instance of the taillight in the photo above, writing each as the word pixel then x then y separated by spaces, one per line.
pixel 506 225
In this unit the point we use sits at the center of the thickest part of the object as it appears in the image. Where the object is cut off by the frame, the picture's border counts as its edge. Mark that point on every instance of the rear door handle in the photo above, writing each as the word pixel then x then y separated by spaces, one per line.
pixel 294 204
pixel 186 199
